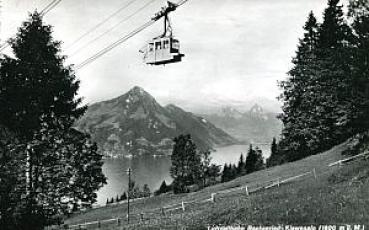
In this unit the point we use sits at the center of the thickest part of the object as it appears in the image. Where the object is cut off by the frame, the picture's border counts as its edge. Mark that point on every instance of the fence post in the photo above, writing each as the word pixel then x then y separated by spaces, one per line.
pixel 247 191
pixel 278 181
pixel 213 197
pixel 314 172
pixel 183 206
pixel 162 211
pixel 118 221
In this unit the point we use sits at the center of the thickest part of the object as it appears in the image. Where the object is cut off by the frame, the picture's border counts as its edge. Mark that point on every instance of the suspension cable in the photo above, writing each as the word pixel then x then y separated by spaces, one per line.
pixel 113 45
pixel 125 6
pixel 111 28
pixel 50 6
pixel 43 12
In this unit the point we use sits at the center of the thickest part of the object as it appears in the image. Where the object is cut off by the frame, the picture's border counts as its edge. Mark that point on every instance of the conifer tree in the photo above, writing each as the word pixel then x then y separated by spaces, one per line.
pixel 359 14
pixel 334 79
pixel 254 160
pixel 39 104
pixel 317 97
pixel 225 173
pixel 163 188
pixel 297 92
pixel 124 196
pixel 276 157
pixel 36 82
pixel 241 166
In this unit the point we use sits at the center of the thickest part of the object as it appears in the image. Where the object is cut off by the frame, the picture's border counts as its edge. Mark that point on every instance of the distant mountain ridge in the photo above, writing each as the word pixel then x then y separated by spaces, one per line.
pixel 253 126
pixel 136 124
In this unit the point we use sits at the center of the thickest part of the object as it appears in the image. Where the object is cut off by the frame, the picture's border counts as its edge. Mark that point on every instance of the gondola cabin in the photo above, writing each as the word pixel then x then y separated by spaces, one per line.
pixel 162 50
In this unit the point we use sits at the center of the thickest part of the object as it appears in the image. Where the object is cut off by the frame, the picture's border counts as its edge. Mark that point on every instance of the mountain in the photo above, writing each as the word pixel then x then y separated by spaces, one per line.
pixel 135 124
pixel 253 126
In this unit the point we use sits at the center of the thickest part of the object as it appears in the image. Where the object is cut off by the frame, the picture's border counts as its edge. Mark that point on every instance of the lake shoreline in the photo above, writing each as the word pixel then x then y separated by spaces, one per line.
pixel 151 170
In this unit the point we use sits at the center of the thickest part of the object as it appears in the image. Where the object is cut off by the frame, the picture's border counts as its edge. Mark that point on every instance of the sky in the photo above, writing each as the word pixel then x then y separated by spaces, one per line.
pixel 235 50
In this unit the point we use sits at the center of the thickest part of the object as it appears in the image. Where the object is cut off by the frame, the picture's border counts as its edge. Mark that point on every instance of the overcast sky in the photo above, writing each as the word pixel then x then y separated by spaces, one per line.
pixel 236 50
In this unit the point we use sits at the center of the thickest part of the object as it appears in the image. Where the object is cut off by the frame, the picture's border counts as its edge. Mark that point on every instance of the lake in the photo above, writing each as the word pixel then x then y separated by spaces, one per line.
pixel 153 170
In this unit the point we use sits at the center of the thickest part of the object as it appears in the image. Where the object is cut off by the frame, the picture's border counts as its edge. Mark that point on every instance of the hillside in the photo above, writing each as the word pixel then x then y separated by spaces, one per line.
pixel 338 195
pixel 135 124
pixel 253 126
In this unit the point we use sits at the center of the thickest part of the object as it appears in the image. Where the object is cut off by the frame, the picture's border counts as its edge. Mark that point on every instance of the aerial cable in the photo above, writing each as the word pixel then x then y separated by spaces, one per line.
pixel 43 12
pixel 113 45
pixel 125 38
pixel 125 6
pixel 50 6
pixel 112 28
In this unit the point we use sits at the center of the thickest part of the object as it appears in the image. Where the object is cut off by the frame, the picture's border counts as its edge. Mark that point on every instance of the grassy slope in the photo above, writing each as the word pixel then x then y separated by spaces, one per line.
pixel 339 195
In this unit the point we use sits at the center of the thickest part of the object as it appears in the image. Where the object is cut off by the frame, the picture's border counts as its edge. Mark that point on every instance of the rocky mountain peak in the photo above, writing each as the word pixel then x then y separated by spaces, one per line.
pixel 256 109
pixel 136 124
pixel 138 92
pixel 231 112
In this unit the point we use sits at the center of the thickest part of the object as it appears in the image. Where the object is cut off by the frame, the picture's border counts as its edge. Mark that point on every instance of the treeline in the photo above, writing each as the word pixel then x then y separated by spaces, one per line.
pixel 164 188
pixel 134 192
pixel 253 162
pixel 326 97
pixel 192 170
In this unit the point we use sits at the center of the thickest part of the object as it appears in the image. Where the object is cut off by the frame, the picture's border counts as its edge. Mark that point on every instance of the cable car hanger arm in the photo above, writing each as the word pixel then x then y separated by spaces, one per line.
pixel 166 10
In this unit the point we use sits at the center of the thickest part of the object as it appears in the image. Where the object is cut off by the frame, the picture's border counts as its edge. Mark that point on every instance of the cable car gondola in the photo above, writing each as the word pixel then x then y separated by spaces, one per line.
pixel 164 49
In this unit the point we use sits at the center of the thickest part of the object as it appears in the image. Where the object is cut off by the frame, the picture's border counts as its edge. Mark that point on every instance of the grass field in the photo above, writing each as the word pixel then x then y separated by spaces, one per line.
pixel 339 195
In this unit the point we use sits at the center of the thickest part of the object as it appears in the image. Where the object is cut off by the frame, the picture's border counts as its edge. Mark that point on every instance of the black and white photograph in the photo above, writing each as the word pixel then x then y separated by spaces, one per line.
pixel 184 114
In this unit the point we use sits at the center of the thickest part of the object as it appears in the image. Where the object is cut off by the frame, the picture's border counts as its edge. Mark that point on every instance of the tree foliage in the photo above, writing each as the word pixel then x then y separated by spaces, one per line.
pixel 326 98
pixel 254 160
pixel 275 155
pixel 57 168
pixel 209 172
pixel 164 188
pixel 186 164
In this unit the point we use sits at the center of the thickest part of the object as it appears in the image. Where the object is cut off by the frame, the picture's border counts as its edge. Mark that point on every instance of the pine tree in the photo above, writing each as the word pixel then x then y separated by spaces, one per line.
pixel 241 166
pixel 225 173
pixel 233 172
pixel 124 196
pixel 38 103
pixel 297 92
pixel 275 157
pixel 333 77
pixel 36 83
pixel 254 160
pixel 317 98
pixel 359 14
pixel 162 189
